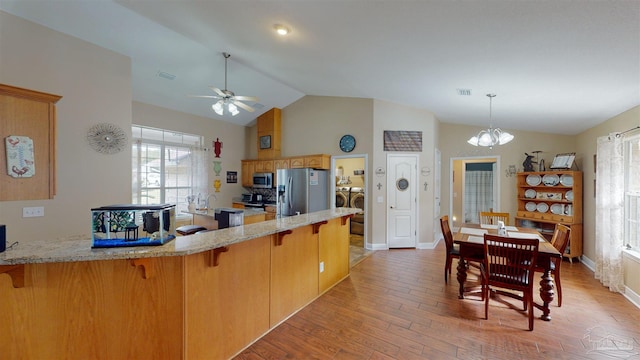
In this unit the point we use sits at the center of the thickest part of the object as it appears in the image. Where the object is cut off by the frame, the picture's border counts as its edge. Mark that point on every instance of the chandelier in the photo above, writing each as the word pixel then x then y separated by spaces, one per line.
pixel 490 136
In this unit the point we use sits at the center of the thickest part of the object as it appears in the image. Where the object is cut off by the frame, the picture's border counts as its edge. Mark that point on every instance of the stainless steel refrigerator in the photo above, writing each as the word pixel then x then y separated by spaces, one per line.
pixel 301 191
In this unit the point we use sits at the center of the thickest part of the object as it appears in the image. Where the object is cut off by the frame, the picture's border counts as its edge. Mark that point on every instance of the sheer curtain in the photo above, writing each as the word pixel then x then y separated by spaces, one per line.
pixel 610 212
pixel 199 171
pixel 478 194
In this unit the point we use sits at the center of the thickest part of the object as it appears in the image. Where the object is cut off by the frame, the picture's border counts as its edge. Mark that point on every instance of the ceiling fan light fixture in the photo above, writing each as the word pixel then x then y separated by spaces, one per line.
pixel 218 108
pixel 490 136
pixel 281 29
pixel 233 109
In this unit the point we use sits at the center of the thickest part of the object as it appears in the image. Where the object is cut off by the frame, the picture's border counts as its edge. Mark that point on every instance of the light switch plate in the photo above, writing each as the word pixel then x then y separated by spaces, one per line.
pixel 36 211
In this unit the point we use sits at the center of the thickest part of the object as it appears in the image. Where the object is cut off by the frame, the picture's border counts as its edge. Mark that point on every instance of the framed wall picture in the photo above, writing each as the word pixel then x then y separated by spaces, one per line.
pixel 563 161
pixel 265 142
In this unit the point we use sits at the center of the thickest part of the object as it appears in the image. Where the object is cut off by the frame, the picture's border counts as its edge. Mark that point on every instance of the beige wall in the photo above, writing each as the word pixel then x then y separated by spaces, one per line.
pixel 586 144
pixel 390 116
pixel 348 166
pixel 95 85
pixel 232 137
pixel 453 140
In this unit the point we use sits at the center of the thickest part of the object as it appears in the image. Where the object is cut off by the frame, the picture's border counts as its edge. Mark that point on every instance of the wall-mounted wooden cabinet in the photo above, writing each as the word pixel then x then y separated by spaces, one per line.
pixel 319 161
pixel 30 114
pixel 269 134
pixel 548 198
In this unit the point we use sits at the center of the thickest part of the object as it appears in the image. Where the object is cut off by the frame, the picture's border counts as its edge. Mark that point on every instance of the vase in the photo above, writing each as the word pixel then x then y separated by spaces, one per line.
pixel 191 207
pixel 217 167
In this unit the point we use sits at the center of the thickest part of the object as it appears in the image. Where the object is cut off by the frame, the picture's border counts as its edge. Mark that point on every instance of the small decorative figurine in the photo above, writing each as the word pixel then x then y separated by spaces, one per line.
pixel 528 163
pixel 217 147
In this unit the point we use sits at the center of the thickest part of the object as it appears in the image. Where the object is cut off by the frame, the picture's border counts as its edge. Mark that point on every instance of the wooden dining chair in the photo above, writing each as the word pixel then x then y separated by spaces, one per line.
pixel 560 240
pixel 492 218
pixel 509 265
pixel 452 251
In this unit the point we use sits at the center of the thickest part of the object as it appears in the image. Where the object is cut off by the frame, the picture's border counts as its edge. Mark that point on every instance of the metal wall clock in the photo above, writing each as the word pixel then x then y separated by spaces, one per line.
pixel 347 143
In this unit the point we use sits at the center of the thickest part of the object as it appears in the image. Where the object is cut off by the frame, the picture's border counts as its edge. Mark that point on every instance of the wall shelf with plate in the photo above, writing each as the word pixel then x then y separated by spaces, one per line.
pixel 548 198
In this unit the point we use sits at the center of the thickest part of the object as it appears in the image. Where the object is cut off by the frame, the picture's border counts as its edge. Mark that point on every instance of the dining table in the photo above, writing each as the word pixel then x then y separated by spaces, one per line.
pixel 470 239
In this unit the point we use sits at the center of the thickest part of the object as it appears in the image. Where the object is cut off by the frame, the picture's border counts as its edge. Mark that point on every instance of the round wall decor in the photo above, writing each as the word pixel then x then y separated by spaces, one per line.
pixel 402 184
pixel 107 138
pixel 347 143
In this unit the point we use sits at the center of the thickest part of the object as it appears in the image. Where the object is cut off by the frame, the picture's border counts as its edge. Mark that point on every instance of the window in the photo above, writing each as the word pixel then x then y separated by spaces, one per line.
pixel 167 167
pixel 632 191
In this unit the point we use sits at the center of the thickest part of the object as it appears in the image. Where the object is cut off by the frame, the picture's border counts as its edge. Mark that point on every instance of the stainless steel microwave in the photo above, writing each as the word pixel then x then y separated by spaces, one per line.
pixel 263 180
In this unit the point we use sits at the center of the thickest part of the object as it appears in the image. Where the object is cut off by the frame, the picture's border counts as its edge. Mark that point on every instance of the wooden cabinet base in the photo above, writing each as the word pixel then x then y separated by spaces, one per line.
pixel 206 305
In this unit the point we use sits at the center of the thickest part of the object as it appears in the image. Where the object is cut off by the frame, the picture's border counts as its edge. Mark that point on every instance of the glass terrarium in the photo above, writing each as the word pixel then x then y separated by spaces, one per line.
pixel 133 225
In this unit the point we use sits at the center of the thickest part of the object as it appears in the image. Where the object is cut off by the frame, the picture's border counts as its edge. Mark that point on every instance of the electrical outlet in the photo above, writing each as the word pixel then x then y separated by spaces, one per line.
pixel 36 211
pixel 322 266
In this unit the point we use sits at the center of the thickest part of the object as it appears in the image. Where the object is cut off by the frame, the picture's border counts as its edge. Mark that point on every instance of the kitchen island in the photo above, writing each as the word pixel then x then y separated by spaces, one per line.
pixel 206 295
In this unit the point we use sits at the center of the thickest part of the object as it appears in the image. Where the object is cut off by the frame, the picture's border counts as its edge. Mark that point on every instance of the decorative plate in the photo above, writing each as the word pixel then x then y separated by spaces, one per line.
pixel 566 180
pixel 569 195
pixel 20 158
pixel 557 209
pixel 542 207
pixel 533 180
pixel 550 180
pixel 530 206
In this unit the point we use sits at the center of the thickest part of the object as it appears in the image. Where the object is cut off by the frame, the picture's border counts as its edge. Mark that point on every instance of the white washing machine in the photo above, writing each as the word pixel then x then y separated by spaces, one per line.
pixel 342 196
pixel 356 200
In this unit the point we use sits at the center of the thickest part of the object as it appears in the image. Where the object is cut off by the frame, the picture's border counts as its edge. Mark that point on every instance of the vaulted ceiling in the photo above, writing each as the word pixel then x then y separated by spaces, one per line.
pixel 555 66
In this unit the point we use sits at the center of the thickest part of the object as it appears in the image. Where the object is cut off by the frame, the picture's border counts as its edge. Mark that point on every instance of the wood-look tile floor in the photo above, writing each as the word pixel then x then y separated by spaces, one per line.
pixel 395 305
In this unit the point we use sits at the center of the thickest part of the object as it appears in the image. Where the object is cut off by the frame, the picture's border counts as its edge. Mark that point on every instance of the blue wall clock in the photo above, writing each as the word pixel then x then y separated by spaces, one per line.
pixel 347 143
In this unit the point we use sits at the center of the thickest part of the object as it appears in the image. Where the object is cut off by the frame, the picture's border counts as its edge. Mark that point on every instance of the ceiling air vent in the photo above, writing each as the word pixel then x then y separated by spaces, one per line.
pixel 464 92
pixel 165 75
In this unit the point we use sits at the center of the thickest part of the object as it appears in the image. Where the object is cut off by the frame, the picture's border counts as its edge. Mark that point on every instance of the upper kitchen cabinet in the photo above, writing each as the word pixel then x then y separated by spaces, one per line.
pixel 269 134
pixel 28 130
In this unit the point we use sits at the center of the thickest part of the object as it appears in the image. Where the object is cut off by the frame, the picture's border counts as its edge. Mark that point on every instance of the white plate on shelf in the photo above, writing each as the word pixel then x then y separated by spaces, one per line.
pixel 551 180
pixel 566 180
pixel 530 194
pixel 533 180
pixel 557 209
pixel 530 206
pixel 569 195
pixel 542 207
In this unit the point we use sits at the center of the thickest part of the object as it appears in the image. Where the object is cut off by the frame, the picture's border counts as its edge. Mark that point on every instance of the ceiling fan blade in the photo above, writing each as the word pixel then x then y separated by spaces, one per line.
pixel 243 105
pixel 246 98
pixel 206 96
pixel 217 91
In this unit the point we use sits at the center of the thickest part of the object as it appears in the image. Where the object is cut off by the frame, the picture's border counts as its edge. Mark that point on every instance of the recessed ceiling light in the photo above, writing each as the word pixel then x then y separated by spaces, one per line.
pixel 281 29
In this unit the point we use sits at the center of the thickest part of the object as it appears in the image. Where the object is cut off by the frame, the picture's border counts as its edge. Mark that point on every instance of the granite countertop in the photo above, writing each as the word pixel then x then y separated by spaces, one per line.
pixel 78 248
pixel 211 213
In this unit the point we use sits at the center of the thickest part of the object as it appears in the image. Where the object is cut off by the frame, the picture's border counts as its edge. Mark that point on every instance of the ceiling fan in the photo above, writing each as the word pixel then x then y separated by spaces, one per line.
pixel 227 99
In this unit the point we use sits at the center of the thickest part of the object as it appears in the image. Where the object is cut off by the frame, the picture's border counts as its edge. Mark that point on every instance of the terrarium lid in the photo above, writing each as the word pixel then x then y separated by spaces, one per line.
pixel 134 207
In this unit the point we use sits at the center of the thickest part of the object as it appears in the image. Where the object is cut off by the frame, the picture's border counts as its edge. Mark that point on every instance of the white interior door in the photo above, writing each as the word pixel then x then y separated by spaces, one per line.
pixel 402 200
